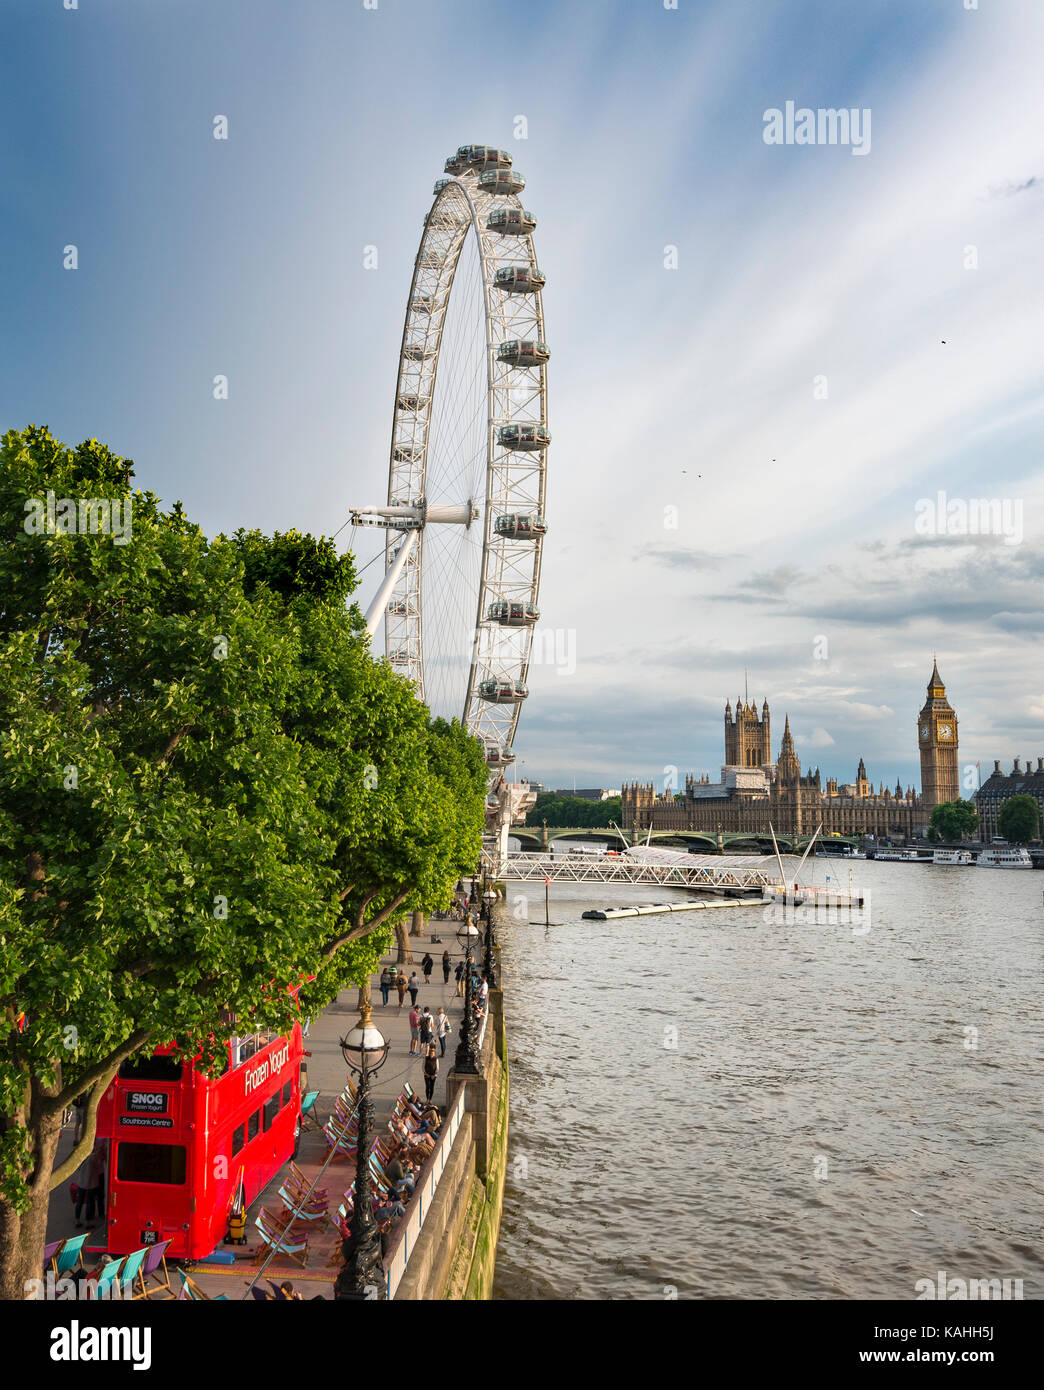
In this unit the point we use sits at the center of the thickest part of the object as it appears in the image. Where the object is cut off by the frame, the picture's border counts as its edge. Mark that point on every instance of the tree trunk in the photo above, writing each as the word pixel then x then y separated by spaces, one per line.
pixel 23 1234
pixel 404 955
pixel 417 924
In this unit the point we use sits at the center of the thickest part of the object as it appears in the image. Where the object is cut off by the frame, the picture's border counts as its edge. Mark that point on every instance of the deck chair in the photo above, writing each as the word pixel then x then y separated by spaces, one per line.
pixel 70 1255
pixel 51 1253
pixel 309 1119
pixel 107 1278
pixel 154 1275
pixel 296 1208
pixel 131 1271
pixel 190 1290
pixel 280 1241
pixel 298 1182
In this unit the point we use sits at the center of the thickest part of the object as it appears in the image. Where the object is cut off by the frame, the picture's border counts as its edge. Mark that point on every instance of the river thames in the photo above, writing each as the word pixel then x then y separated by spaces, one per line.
pixel 714 1105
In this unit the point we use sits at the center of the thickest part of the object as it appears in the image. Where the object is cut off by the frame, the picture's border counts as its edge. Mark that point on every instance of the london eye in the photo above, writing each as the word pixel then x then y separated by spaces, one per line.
pixel 464 521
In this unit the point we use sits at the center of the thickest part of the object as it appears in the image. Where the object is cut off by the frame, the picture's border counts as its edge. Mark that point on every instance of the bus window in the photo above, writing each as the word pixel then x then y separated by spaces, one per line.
pixel 253 1125
pixel 159 1163
pixel 286 1092
pixel 271 1111
pixel 237 1140
pixel 150 1069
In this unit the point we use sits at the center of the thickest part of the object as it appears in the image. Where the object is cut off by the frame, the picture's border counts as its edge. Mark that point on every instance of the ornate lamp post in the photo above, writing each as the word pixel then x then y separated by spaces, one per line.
pixel 362 1277
pixel 466 1059
pixel 491 941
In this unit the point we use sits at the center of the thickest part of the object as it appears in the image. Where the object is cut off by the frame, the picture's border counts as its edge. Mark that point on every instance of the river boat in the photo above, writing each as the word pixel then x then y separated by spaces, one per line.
pixel 901 856
pixel 1005 857
pixel 953 856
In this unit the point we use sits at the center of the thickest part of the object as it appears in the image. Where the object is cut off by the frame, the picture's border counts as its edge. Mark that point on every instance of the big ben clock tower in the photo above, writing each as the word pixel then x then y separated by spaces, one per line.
pixel 937 740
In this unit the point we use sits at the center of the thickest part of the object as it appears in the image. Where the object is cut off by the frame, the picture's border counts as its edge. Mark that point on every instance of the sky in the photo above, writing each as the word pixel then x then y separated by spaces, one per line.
pixel 768 360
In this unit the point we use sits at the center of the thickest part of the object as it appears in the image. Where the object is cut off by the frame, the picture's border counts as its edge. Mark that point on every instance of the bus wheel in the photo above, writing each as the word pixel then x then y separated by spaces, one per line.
pixel 297 1136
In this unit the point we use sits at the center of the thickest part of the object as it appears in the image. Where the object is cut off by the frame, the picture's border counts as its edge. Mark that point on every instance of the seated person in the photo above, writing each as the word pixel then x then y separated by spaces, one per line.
pixel 391 1209
pixel 401 1176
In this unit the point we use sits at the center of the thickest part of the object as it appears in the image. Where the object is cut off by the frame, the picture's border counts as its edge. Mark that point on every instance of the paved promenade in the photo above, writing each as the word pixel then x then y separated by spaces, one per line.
pixel 327 1072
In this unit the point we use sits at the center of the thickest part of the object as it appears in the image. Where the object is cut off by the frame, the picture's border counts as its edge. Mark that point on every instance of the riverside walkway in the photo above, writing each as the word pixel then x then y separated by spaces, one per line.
pixel 327 1073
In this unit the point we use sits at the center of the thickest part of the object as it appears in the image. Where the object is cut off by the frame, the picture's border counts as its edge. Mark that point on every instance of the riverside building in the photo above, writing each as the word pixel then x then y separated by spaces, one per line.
pixel 755 792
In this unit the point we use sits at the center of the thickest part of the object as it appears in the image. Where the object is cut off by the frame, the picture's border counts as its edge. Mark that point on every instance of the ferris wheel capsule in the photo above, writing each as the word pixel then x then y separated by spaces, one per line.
pixel 502 691
pixel 501 183
pixel 517 526
pixel 482 157
pixel 523 352
pixel 526 437
pixel 512 613
pixel 511 221
pixel 519 279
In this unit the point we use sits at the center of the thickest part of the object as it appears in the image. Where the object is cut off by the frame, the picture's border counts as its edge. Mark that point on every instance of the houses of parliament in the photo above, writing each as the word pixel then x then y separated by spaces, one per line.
pixel 755 792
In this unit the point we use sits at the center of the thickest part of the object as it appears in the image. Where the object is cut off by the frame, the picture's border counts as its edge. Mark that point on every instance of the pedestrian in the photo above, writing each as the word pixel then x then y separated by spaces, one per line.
pixel 442 1027
pixel 385 984
pixel 431 1071
pixel 427 965
pixel 92 1179
pixel 80 1107
pixel 445 967
pixel 400 985
pixel 460 977
pixel 413 987
pixel 427 1024
pixel 414 1031
pixel 483 991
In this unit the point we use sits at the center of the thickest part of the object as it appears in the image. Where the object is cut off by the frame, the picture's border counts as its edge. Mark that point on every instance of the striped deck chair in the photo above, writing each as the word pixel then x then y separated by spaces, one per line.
pixel 296 1210
pixel 309 1119
pixel 70 1255
pixel 154 1275
pixel 278 1240
pixel 191 1291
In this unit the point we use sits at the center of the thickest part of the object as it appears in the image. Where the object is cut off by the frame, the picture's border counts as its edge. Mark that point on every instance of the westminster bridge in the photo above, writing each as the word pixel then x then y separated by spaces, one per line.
pixel 706 842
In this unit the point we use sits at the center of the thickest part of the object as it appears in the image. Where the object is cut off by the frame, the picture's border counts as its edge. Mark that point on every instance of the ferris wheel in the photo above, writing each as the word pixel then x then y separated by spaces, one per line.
pixel 464 518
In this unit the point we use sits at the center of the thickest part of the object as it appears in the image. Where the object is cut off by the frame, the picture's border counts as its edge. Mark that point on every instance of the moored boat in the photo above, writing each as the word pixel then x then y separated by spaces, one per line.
pixel 953 856
pixel 1005 857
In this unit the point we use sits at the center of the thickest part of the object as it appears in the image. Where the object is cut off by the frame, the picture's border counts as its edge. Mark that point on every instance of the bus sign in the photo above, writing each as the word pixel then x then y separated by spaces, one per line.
pixel 151 1102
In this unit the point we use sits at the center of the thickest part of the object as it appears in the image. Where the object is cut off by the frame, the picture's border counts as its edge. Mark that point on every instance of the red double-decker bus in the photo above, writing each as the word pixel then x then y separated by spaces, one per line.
pixel 178 1140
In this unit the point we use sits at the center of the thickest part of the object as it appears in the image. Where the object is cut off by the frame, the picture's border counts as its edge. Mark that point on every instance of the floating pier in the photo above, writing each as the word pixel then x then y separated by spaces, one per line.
pixel 610 914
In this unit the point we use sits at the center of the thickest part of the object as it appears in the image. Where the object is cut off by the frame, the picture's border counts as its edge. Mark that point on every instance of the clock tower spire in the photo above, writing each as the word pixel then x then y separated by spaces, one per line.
pixel 937 741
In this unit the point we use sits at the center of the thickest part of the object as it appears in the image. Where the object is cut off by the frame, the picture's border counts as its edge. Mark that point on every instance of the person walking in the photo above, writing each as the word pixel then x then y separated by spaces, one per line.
pixel 431 1071
pixel 413 987
pixel 427 1025
pixel 385 984
pixel 400 985
pixel 414 1032
pixel 93 1177
pixel 445 967
pixel 427 965
pixel 442 1027
pixel 460 978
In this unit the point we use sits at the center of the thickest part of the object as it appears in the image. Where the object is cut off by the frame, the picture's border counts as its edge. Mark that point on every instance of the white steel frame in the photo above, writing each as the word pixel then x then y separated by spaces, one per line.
pixel 515 481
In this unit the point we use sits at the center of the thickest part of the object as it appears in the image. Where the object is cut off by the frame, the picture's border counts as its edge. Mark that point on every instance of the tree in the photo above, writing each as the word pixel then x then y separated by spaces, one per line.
pixel 1019 820
pixel 952 820
pixel 208 787
pixel 561 811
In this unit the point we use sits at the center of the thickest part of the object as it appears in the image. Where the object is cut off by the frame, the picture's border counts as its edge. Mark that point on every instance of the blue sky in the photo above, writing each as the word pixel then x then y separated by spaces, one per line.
pixel 687 389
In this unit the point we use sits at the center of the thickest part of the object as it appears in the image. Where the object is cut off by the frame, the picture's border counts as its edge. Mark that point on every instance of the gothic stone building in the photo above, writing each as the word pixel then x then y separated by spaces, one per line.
pixel 754 792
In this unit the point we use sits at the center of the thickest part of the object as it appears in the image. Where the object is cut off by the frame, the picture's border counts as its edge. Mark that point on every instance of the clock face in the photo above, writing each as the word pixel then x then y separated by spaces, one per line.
pixel 924 731
pixel 946 731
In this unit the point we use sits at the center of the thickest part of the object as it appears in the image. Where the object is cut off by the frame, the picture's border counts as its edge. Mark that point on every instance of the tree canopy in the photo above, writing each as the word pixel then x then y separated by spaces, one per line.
pixel 952 820
pixel 1019 819
pixel 573 810
pixel 209 789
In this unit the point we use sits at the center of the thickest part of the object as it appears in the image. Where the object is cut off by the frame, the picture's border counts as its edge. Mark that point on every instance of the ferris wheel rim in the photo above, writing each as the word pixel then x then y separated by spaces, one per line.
pixel 494 723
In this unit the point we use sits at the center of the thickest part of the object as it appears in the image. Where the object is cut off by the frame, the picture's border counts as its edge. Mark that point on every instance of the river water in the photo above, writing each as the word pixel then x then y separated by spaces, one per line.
pixel 716 1105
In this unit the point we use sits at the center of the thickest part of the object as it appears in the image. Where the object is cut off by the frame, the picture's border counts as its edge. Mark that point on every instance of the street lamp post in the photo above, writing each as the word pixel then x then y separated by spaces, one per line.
pixel 362 1276
pixel 489 964
pixel 466 1059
